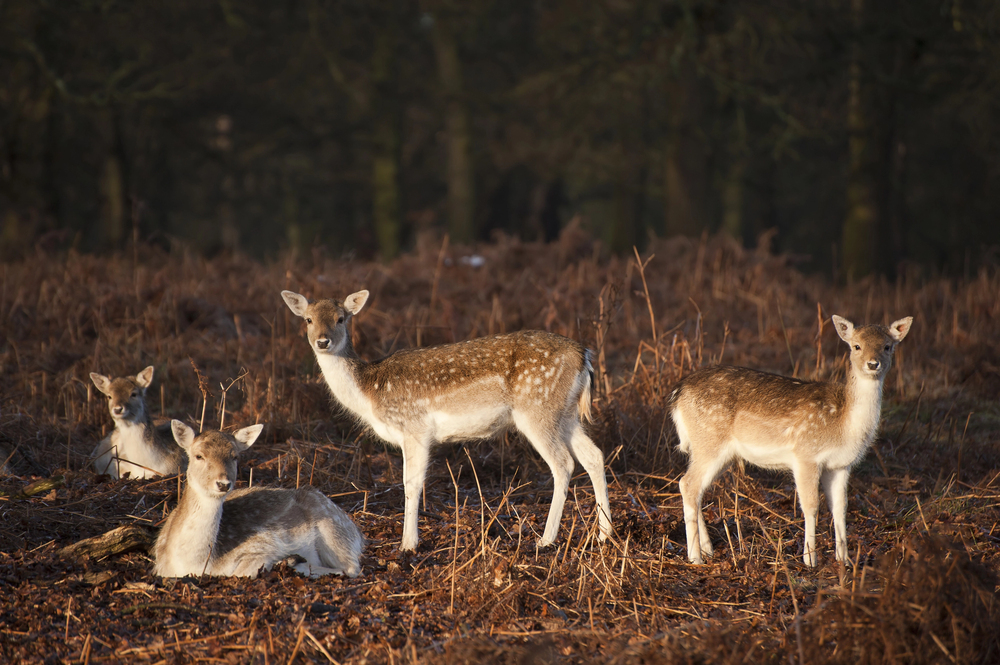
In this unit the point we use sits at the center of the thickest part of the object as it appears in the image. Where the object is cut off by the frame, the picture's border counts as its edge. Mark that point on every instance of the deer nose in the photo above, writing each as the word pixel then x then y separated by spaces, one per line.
pixel 118 410
pixel 873 365
pixel 223 485
pixel 323 343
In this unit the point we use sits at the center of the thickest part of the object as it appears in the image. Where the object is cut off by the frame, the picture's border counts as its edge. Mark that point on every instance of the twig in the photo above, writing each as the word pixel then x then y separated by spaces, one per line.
pixel 298 643
pixel 320 647
pixel 131 609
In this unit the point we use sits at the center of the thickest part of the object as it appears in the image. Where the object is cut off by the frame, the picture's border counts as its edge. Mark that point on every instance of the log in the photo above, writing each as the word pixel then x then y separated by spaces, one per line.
pixel 117 541
pixel 40 486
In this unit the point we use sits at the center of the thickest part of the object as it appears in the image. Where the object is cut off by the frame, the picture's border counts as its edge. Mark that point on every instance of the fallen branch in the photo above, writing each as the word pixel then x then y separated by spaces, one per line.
pixel 117 541
pixel 39 486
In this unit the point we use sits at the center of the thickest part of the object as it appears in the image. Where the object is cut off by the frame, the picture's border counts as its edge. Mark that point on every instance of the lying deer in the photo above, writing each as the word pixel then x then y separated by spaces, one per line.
pixel 817 430
pixel 215 530
pixel 535 381
pixel 137 446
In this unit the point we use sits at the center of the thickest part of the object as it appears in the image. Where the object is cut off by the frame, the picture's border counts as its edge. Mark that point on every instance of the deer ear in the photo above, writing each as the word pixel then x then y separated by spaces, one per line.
pixel 898 329
pixel 246 436
pixel 844 328
pixel 354 302
pixel 183 435
pixel 145 377
pixel 102 382
pixel 297 303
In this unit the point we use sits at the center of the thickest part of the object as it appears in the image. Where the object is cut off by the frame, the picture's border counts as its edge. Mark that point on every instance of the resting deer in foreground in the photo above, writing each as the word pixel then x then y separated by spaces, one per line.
pixel 215 530
pixel 137 446
pixel 817 430
pixel 536 381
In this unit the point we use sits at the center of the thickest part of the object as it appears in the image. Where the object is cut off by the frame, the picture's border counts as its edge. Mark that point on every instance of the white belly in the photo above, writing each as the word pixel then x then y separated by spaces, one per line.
pixel 766 455
pixel 472 423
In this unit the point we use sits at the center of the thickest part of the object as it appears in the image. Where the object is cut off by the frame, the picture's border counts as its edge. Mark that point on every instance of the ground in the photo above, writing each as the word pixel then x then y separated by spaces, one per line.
pixel 923 505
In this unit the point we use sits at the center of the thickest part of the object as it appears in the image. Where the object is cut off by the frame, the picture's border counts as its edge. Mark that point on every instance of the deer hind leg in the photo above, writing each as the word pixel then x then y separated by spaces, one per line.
pixel 338 543
pixel 556 454
pixel 807 484
pixel 416 453
pixel 693 485
pixel 592 459
pixel 835 488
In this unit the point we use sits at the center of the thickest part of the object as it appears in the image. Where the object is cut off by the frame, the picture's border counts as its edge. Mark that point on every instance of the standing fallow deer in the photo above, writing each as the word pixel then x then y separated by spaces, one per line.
pixel 137 446
pixel 818 430
pixel 537 382
pixel 215 530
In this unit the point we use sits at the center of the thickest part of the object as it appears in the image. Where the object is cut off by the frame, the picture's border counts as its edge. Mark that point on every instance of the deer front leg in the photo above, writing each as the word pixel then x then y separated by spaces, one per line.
pixel 835 487
pixel 416 453
pixel 807 485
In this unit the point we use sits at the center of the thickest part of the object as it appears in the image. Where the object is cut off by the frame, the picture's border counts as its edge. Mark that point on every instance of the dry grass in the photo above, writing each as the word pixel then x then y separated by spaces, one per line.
pixel 923 510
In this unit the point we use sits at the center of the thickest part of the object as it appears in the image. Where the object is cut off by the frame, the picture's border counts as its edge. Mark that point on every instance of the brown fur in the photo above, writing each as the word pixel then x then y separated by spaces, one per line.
pixel 816 430
pixel 536 382
pixel 138 446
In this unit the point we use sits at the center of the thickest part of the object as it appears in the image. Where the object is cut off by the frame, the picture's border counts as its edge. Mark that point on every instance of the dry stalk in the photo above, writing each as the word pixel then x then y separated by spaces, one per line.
pixel 454 555
pixel 203 388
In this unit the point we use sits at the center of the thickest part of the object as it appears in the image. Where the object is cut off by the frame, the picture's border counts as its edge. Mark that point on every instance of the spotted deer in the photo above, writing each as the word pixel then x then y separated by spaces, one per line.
pixel 535 381
pixel 818 430
pixel 137 446
pixel 216 530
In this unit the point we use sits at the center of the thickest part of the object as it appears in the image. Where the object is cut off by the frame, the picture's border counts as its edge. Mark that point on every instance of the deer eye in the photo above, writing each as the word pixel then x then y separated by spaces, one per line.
pixel 888 346
pixel 340 320
pixel 199 457
pixel 309 320
pixel 135 393
pixel 857 347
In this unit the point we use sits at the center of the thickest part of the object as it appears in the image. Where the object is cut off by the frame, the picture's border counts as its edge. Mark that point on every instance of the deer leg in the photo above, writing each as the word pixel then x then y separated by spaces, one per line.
pixel 807 483
pixel 591 458
pixel 556 454
pixel 835 488
pixel 338 544
pixel 416 453
pixel 691 493
pixel 699 477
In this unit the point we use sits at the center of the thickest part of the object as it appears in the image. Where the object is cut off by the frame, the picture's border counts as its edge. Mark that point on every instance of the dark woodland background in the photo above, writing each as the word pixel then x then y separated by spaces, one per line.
pixel 865 133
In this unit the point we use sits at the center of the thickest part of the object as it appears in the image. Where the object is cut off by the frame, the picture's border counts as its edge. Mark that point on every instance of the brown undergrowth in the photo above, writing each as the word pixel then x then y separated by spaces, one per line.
pixel 923 507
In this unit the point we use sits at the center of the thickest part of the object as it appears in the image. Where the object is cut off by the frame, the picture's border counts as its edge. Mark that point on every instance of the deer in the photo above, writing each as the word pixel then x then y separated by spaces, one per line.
pixel 536 382
pixel 818 430
pixel 137 446
pixel 216 530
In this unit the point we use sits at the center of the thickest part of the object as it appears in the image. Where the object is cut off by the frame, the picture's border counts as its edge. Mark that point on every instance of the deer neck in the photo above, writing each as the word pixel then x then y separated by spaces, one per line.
pixel 137 424
pixel 863 397
pixel 137 441
pixel 132 435
pixel 340 371
pixel 193 532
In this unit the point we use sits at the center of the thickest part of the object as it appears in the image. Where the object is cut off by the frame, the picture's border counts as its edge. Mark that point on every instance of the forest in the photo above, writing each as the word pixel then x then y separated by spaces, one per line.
pixel 862 136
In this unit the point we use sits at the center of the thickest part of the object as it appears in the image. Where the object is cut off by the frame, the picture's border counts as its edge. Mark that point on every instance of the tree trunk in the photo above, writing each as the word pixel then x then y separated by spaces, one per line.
pixel 892 182
pixel 732 192
pixel 461 183
pixel 112 201
pixel 861 224
pixel 386 199
pixel 683 163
